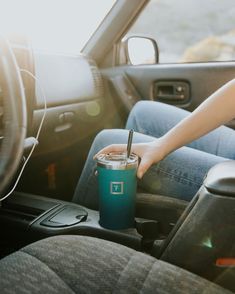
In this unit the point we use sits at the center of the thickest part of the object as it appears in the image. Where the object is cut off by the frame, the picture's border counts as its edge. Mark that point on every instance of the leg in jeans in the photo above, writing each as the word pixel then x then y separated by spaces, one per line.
pixel 179 175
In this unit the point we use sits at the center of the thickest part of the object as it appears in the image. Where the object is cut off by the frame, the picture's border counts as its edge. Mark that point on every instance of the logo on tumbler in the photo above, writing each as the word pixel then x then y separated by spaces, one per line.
pixel 116 188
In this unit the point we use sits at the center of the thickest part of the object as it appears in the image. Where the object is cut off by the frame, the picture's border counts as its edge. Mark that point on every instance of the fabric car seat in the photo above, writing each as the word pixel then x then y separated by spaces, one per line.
pixel 79 264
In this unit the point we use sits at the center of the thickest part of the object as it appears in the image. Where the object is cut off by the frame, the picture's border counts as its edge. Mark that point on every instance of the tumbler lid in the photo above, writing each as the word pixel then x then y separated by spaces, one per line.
pixel 117 160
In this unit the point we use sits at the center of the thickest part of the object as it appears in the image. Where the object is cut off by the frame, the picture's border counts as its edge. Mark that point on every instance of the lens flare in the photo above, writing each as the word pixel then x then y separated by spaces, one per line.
pixel 207 242
pixel 93 109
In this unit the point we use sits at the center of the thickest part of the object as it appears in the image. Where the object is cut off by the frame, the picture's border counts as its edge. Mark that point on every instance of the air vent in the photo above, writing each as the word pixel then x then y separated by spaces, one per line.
pixel 97 78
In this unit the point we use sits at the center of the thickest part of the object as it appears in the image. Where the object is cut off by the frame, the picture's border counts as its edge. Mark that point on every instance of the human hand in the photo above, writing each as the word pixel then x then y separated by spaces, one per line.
pixel 149 153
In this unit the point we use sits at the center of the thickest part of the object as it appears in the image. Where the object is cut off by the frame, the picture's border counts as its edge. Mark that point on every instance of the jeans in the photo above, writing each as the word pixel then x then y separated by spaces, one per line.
pixel 180 174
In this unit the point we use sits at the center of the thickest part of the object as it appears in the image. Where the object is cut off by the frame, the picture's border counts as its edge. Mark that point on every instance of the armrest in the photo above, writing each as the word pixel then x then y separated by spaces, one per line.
pixel 205 234
pixel 220 179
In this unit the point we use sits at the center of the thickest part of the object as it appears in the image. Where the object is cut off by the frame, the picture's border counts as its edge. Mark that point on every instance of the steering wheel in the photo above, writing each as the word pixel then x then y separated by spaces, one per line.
pixel 14 117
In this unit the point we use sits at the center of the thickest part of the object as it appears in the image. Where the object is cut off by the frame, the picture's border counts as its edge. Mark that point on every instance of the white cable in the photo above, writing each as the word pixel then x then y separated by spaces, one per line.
pixel 44 100
pixel 37 135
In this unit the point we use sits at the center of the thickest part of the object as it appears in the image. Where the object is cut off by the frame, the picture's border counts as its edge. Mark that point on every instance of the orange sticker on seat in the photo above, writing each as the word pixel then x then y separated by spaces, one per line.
pixel 230 261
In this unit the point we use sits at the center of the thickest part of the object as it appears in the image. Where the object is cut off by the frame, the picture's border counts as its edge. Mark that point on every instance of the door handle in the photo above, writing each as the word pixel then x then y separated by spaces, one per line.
pixel 171 91
pixel 172 97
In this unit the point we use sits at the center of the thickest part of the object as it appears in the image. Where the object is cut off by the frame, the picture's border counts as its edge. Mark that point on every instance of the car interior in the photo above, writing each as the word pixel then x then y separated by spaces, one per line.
pixel 52 107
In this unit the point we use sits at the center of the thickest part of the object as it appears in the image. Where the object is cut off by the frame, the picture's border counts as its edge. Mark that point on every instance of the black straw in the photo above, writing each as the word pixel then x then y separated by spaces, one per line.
pixel 130 137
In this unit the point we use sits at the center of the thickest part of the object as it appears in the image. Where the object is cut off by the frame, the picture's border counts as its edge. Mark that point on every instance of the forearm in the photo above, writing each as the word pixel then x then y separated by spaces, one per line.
pixel 218 109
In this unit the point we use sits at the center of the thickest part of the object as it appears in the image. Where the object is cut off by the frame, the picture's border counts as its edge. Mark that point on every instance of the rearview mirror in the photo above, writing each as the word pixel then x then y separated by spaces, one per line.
pixel 141 50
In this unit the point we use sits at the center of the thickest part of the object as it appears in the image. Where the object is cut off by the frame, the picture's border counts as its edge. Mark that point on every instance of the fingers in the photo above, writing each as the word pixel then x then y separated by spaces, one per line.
pixel 145 164
pixel 138 149
pixel 111 148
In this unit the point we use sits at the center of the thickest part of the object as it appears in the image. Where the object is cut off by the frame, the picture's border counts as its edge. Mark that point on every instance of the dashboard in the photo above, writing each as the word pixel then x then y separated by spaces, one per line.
pixel 73 87
pixel 66 79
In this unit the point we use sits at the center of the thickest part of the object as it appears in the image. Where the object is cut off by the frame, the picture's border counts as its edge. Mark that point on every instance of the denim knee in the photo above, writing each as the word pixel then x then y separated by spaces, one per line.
pixel 141 108
pixel 110 136
pixel 145 107
pixel 143 114
pixel 154 118
pixel 103 135
pixel 137 114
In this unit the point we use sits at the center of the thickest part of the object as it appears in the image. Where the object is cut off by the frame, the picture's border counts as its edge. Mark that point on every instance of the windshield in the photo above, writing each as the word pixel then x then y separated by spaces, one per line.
pixel 54 25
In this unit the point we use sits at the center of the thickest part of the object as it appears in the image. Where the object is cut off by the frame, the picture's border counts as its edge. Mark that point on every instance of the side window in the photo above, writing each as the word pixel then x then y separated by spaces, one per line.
pixel 189 30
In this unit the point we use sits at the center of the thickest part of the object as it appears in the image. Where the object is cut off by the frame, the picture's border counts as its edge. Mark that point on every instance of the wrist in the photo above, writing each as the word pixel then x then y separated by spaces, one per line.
pixel 162 146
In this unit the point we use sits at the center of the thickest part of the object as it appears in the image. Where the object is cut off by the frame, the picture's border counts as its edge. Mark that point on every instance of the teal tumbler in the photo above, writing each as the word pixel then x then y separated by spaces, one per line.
pixel 117 190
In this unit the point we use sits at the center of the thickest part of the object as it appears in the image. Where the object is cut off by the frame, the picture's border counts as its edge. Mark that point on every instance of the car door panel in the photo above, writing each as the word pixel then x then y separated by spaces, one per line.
pixel 203 79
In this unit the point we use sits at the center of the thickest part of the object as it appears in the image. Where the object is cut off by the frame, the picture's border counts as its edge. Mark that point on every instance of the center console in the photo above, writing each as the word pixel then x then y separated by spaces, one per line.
pixel 199 237
pixel 26 218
